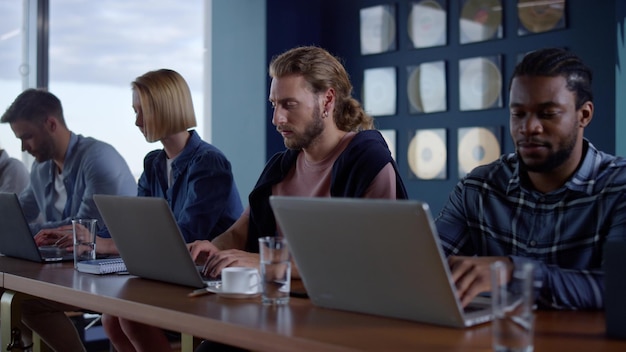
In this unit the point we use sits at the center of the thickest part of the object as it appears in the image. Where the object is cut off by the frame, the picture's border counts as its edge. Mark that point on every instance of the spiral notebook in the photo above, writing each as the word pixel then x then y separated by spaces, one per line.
pixel 102 266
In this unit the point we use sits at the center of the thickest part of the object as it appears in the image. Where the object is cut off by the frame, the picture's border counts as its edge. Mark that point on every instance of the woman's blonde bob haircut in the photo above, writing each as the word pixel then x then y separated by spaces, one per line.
pixel 166 103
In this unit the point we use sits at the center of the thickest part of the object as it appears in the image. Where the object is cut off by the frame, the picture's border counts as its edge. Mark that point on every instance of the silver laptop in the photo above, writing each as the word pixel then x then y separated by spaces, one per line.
pixel 380 257
pixel 16 240
pixel 149 240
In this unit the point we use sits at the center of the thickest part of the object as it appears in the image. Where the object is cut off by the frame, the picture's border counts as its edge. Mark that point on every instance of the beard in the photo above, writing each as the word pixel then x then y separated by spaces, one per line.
pixel 45 150
pixel 555 159
pixel 311 132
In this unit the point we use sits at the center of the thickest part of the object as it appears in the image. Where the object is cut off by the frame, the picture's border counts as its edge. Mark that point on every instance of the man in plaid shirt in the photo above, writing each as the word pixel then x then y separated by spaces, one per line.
pixel 555 202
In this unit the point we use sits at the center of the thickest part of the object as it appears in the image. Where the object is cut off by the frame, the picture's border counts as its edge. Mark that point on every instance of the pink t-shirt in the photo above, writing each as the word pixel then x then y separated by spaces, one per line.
pixel 312 179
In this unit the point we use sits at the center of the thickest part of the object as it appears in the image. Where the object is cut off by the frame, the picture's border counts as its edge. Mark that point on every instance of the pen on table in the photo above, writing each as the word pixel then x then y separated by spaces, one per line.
pixel 298 294
pixel 198 292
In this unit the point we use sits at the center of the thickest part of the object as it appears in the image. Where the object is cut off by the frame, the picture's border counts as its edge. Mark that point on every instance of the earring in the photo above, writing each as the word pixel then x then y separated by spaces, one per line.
pixel 325 114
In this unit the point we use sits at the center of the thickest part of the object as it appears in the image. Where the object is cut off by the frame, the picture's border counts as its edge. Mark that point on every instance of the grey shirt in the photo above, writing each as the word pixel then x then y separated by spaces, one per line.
pixel 91 167
pixel 14 176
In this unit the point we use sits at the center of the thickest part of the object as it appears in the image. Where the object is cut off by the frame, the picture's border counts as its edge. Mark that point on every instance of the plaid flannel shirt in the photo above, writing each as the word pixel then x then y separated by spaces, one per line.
pixel 493 212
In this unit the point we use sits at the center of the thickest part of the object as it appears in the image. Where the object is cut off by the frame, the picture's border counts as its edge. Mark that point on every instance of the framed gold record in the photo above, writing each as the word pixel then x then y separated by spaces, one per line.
pixel 480 83
pixel 427 24
pixel 540 16
pixel 378 29
pixel 426 87
pixel 427 154
pixel 477 146
pixel 480 20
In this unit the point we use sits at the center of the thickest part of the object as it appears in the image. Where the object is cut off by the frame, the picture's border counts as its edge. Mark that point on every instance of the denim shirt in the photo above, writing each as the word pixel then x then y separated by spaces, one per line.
pixel 90 167
pixel 203 196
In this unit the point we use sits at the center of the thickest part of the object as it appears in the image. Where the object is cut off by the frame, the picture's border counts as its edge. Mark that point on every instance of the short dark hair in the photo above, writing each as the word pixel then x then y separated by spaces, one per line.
pixel 554 62
pixel 34 105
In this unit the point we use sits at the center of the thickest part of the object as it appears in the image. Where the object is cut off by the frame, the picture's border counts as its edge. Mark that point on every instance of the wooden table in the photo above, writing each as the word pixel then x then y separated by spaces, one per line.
pixel 298 326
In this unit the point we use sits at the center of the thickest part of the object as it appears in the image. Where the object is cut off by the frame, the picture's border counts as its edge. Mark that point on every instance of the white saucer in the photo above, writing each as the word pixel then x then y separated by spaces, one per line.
pixel 218 291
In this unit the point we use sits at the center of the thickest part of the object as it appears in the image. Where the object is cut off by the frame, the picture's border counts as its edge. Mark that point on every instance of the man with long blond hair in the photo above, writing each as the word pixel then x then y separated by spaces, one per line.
pixel 332 151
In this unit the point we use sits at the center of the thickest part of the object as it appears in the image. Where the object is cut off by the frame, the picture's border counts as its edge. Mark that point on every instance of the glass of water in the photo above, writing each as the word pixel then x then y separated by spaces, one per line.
pixel 514 319
pixel 275 270
pixel 84 233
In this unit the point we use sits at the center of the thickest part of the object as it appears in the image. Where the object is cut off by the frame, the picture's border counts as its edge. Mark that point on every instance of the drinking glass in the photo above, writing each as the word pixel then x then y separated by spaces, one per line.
pixel 512 301
pixel 84 232
pixel 275 265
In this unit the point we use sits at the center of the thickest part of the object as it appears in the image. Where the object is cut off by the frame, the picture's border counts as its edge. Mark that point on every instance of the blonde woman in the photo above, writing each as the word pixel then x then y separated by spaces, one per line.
pixel 194 176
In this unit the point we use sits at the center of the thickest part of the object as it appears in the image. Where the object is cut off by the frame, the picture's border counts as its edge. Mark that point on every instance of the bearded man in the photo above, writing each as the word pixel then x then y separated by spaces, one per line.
pixel 333 151
pixel 555 202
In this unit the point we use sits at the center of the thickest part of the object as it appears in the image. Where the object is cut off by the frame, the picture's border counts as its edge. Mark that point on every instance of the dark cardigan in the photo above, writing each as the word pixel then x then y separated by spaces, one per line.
pixel 352 173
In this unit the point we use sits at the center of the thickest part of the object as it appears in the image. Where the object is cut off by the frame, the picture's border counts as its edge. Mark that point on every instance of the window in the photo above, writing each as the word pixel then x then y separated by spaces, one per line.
pixel 11 67
pixel 96 48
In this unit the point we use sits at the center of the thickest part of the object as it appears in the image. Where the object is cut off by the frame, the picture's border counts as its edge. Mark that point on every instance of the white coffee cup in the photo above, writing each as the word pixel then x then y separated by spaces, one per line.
pixel 240 280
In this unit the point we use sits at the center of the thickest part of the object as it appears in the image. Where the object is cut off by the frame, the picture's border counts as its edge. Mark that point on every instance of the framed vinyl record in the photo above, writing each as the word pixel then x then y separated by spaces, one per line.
pixel 378 29
pixel 426 87
pixel 390 139
pixel 427 154
pixel 480 20
pixel 480 83
pixel 477 146
pixel 379 91
pixel 540 16
pixel 427 23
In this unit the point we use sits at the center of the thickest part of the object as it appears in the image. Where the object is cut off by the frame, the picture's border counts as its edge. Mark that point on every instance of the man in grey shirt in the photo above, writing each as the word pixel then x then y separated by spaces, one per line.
pixel 13 174
pixel 68 170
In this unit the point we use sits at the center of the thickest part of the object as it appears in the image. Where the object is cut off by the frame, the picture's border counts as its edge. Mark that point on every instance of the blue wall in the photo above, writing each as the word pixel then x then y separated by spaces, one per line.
pixel 289 24
pixel 335 25
pixel 238 87
pixel 620 79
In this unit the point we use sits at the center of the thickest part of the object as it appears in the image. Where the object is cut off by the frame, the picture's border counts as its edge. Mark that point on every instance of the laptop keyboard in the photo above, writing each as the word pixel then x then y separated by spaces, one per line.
pixel 213 283
pixel 480 302
pixel 209 281
pixel 474 308
pixel 54 253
